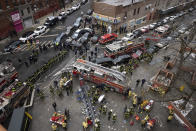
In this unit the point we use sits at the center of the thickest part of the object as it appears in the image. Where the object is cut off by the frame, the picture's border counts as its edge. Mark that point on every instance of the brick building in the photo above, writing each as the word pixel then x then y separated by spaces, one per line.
pixel 131 13
pixel 17 15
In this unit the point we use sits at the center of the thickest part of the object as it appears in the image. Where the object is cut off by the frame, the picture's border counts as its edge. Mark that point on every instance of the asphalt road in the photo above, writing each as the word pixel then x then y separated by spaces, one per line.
pixel 42 109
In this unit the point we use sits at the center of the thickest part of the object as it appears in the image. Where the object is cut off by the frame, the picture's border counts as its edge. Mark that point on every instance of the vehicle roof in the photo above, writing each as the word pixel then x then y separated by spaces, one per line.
pixel 118 45
pixel 104 59
pixel 17 119
pixel 50 17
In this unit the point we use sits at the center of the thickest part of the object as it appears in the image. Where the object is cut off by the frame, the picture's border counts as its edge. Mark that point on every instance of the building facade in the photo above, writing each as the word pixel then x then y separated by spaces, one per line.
pixel 131 13
pixel 17 15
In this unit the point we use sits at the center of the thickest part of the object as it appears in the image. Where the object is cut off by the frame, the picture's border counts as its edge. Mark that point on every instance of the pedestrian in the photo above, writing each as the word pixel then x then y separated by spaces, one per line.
pixel 125 108
pixel 143 81
pixel 65 113
pixel 114 117
pixel 109 114
pixel 137 82
pixel 54 105
pixel 67 90
pixel 26 64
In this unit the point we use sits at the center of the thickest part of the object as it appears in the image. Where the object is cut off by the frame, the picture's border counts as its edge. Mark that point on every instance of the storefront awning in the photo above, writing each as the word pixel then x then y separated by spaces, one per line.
pixel 106 18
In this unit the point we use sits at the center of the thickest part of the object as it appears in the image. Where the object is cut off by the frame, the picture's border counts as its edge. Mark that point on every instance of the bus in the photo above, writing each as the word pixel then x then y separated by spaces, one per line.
pixel 20 120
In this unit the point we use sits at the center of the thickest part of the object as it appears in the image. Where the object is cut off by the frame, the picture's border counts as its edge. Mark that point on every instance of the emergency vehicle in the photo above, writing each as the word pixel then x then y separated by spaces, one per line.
pixel 11 97
pixel 107 38
pixel 121 48
pixel 100 75
pixel 7 74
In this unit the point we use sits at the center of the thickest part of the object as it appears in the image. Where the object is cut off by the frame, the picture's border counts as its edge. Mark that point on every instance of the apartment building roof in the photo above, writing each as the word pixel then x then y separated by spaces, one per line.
pixel 120 2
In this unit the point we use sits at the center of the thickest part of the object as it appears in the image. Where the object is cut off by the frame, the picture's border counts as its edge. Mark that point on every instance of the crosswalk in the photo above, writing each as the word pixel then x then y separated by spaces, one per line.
pixel 26 47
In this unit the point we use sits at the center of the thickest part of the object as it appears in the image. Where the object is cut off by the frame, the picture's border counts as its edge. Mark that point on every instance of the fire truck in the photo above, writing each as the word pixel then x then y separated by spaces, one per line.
pixel 7 74
pixel 11 97
pixel 100 75
pixel 121 48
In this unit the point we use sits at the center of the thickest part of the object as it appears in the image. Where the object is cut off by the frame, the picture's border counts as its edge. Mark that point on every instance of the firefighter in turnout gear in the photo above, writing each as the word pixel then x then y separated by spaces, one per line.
pixel 104 111
pixel 144 121
pixel 171 114
pixel 114 117
pixel 54 127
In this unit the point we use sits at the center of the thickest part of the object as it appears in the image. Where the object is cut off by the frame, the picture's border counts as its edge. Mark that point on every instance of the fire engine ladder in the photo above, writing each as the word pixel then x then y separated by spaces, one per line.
pixel 89 108
pixel 109 72
pixel 188 124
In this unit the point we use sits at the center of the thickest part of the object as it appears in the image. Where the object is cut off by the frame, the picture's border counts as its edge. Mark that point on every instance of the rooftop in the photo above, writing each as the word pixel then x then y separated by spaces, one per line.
pixel 120 2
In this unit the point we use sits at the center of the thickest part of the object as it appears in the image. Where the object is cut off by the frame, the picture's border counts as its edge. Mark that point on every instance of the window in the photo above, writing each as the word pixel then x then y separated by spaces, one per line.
pixel 22 13
pixel 155 4
pixel 138 10
pixel 28 10
pixel 134 12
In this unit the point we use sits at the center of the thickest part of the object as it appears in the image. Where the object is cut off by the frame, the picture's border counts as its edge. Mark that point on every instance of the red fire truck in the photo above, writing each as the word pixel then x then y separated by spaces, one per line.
pixel 121 48
pixel 100 75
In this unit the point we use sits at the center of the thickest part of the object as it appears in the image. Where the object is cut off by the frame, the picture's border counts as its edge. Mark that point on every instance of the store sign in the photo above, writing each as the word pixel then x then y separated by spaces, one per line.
pixel 106 18
pixel 15 16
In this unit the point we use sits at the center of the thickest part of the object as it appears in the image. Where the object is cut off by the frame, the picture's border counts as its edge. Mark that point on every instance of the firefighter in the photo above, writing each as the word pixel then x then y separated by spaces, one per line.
pixel 54 127
pixel 126 114
pixel 109 114
pixel 96 127
pixel 130 93
pixel 114 117
pixel 64 125
pixel 171 115
pixel 100 108
pixel 134 100
pixel 85 125
pixel 143 121
pixel 104 109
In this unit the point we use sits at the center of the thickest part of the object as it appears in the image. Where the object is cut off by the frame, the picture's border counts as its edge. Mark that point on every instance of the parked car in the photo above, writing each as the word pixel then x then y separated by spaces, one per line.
pixel 75 43
pixel 94 39
pixel 128 37
pixel 62 15
pixel 137 33
pixel 89 12
pixel 121 59
pixel 182 30
pixel 84 1
pixel 144 29
pixel 39 30
pixel 107 38
pixel 152 26
pixel 78 22
pixel 60 38
pixel 161 45
pixel 69 30
pixel 85 38
pixel 69 11
pixel 51 21
pixel 80 32
pixel 152 49
pixel 76 7
pixel 26 36
pixel 13 45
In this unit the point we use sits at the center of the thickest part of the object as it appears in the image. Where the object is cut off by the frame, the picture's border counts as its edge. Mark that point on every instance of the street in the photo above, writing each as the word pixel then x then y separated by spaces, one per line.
pixel 43 108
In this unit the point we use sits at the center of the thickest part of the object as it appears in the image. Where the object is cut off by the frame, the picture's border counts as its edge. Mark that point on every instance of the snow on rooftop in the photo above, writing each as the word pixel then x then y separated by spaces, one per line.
pixel 120 2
